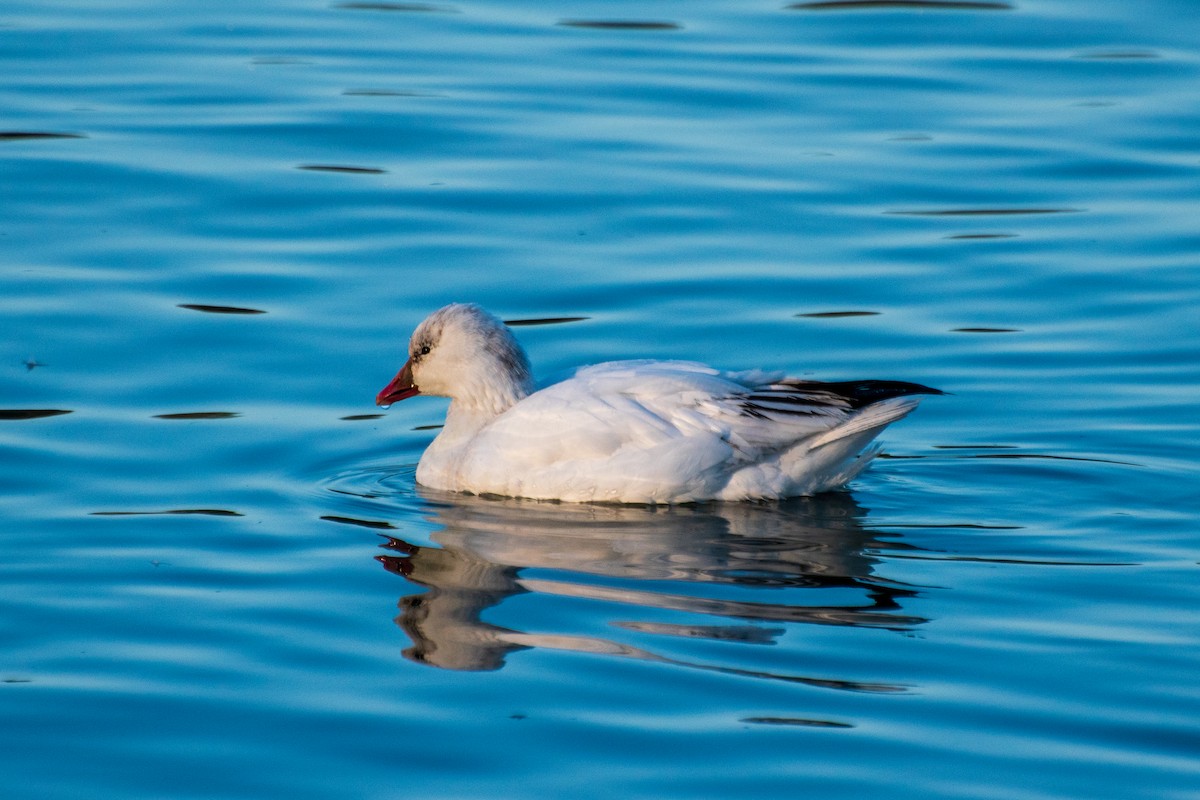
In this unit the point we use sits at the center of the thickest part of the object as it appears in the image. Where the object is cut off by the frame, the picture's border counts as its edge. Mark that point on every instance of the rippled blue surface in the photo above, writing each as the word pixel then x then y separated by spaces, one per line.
pixel 254 600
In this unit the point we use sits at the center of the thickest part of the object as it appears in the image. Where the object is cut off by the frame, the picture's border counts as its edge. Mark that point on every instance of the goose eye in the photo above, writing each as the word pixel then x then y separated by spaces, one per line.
pixel 424 350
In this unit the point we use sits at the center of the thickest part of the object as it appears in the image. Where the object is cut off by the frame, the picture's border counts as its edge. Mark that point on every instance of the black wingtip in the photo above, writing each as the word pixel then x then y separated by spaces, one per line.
pixel 864 393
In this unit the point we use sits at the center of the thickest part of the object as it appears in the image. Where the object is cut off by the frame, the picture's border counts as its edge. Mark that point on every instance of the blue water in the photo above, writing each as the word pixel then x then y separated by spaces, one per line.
pixel 220 581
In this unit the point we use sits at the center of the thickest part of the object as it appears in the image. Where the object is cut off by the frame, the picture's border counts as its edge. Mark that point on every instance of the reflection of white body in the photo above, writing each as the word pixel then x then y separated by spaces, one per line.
pixel 632 431
pixel 702 572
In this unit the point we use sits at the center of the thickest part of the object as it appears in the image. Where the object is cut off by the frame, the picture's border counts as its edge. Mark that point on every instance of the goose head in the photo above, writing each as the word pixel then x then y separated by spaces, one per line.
pixel 464 353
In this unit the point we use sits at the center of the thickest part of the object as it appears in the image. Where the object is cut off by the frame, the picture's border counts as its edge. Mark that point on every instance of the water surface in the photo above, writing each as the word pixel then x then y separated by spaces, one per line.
pixel 223 221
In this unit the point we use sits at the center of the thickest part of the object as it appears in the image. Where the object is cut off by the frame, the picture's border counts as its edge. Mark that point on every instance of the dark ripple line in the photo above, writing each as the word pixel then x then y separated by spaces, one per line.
pixel 797 721
pixel 30 413
pixel 974 447
pixel 1044 456
pixel 838 314
pixel 199 415
pixel 387 93
pixel 211 309
pixel 365 495
pixel 419 8
pixel 620 25
pixel 844 5
pixel 984 212
pixel 972 526
pixel 342 168
pixel 15 136
pixel 972 236
pixel 207 512
pixel 361 523
pixel 985 330
pixel 518 323
pixel 1023 561
pixel 626 651
pixel 1031 456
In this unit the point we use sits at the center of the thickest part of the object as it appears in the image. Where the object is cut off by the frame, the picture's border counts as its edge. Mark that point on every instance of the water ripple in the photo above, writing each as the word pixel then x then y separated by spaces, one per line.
pixel 30 413
pixel 853 5
pixel 620 24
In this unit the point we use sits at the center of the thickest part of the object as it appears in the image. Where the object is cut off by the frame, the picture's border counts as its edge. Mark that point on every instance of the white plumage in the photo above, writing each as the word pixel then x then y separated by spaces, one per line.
pixel 632 431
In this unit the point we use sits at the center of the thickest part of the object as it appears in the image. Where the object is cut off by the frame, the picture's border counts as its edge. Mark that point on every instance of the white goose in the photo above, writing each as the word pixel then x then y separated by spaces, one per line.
pixel 632 431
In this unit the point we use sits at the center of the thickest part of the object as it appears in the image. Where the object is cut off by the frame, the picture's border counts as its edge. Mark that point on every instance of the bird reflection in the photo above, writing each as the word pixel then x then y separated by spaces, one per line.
pixel 751 567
